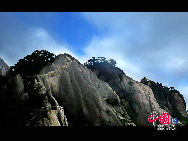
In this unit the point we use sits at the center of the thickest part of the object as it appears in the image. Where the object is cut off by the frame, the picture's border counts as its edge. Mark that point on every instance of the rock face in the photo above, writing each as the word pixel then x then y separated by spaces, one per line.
pixel 17 105
pixel 66 92
pixel 137 99
pixel 3 67
pixel 86 99
pixel 49 116
pixel 179 103
pixel 168 98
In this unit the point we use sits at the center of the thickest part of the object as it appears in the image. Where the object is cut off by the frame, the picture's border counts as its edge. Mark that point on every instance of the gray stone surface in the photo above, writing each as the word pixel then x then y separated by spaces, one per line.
pixel 103 97
pixel 80 92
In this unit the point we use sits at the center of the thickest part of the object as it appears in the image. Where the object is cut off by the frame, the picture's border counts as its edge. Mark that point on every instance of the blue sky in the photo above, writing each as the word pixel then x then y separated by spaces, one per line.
pixel 67 27
pixel 144 44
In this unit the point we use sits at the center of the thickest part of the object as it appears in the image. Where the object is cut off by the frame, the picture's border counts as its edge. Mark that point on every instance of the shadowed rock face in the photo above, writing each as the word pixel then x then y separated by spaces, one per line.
pixel 179 104
pixel 17 105
pixel 3 67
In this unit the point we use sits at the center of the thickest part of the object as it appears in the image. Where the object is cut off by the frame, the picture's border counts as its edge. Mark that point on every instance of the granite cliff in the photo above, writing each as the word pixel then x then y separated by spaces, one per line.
pixel 169 99
pixel 66 92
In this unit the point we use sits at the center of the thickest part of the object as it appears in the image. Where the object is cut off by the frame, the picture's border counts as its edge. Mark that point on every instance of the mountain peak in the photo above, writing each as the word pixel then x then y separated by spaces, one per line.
pixel 3 67
pixel 94 94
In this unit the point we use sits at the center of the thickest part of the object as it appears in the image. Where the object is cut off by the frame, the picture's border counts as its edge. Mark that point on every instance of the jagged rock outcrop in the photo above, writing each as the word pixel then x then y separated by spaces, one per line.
pixel 3 68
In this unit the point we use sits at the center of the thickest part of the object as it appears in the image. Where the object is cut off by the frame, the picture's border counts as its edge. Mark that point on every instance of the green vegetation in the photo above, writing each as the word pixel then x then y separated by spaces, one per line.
pixel 101 122
pixel 32 64
pixel 130 83
pixel 130 111
pixel 126 120
pixel 120 75
pixel 176 114
pixel 184 120
pixel 100 61
pixel 112 101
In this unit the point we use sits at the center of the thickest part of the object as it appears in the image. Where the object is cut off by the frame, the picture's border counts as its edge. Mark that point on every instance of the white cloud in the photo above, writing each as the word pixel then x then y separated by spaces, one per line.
pixel 39 39
pixel 36 39
pixel 144 44
pixel 153 38
pixel 111 48
pixel 21 34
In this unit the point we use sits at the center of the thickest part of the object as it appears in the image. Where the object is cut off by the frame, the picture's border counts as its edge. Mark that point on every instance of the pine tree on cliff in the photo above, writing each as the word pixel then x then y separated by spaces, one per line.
pixel 32 64
pixel 92 63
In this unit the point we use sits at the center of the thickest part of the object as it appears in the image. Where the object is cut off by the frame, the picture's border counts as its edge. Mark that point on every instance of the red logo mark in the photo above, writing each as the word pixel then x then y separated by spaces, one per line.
pixel 164 118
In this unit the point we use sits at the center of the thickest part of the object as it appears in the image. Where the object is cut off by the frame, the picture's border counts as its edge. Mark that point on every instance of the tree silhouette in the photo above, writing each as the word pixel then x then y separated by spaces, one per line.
pixel 113 62
pixel 100 61
pixel 32 64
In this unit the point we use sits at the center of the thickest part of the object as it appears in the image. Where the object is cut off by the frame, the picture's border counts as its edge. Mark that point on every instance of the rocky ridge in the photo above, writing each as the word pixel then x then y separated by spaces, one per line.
pixel 82 95
pixel 136 98
pixel 65 92
pixel 168 98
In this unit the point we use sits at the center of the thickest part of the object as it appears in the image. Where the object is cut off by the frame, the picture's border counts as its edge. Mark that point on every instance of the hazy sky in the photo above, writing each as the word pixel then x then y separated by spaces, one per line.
pixel 149 44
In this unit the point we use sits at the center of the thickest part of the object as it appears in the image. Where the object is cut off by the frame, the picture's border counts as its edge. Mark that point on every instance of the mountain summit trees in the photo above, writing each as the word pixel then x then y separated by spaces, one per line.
pixel 99 61
pixel 32 64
